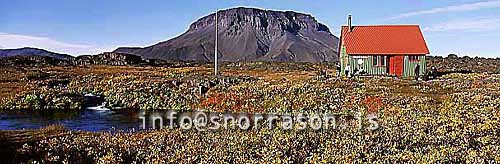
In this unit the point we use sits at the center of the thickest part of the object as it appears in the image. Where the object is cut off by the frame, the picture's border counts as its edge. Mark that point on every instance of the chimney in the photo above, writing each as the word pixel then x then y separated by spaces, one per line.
pixel 349 22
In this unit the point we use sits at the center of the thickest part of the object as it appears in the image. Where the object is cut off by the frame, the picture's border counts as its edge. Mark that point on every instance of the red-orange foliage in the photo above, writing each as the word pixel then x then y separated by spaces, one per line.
pixel 223 102
pixel 373 103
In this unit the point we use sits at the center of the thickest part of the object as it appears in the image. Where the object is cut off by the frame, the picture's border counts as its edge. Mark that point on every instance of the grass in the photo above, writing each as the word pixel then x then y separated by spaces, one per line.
pixel 11 140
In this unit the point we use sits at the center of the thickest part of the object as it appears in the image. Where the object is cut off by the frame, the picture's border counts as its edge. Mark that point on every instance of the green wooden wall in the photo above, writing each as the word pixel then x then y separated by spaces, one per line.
pixel 409 66
pixel 370 69
pixel 367 65
pixel 343 60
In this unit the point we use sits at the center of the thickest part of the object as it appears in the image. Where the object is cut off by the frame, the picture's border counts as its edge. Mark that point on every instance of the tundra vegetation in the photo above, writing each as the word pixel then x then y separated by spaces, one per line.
pixel 454 118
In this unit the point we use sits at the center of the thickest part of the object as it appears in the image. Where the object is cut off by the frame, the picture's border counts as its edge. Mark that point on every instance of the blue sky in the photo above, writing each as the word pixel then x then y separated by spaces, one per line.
pixel 464 27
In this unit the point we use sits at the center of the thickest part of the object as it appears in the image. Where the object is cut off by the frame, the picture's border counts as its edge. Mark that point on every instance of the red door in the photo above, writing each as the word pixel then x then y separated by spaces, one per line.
pixel 396 65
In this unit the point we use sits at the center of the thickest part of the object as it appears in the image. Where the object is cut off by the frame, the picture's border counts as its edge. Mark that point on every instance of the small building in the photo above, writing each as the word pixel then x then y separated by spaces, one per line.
pixel 396 50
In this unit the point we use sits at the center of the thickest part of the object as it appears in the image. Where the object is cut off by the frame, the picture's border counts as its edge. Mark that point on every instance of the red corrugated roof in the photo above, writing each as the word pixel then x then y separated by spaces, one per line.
pixel 384 39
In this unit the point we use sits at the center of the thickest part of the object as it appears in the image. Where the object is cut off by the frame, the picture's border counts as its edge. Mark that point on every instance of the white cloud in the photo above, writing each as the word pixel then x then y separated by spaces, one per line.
pixel 8 41
pixel 469 25
pixel 455 8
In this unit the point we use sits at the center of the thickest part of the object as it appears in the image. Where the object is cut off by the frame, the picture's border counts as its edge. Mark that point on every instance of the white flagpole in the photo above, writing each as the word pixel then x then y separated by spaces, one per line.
pixel 216 41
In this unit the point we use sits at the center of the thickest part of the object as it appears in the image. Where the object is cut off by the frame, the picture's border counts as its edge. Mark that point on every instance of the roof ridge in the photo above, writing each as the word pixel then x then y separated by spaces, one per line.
pixel 400 25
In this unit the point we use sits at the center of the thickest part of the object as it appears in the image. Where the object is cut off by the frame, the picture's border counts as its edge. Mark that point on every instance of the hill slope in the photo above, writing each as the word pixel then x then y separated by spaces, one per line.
pixel 248 34
pixel 32 52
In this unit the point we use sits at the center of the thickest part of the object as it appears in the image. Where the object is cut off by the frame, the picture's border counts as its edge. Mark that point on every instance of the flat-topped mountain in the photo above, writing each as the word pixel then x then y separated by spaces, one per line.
pixel 248 34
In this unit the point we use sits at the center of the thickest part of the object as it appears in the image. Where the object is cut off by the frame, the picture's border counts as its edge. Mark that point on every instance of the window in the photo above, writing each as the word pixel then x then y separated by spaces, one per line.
pixel 383 59
pixel 413 58
pixel 379 60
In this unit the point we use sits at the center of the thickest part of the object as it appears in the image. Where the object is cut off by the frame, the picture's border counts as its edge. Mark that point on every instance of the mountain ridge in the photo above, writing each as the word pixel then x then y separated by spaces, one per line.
pixel 248 34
